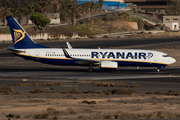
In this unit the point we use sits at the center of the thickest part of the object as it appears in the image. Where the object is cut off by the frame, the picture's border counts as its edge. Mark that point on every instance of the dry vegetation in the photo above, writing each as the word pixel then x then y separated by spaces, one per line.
pixel 108 84
pixel 119 103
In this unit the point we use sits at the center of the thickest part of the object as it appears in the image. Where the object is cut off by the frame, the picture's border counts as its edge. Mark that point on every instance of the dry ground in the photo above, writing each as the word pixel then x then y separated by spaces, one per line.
pixel 69 106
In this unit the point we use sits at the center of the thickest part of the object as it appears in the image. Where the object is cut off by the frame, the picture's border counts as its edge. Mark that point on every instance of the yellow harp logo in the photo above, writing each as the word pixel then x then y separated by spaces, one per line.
pixel 18 35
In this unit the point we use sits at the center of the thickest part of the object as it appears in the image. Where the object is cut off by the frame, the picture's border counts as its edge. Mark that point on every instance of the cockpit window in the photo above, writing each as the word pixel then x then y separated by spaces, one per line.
pixel 165 55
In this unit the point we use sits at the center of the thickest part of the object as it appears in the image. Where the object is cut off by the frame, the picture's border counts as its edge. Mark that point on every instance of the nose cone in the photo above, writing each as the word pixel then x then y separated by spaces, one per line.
pixel 171 60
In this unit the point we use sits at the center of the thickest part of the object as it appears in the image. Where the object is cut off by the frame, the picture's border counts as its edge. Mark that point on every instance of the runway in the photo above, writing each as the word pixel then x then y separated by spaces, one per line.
pixel 14 69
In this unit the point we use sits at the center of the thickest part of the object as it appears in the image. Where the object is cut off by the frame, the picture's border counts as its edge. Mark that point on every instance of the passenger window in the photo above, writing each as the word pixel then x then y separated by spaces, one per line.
pixel 165 55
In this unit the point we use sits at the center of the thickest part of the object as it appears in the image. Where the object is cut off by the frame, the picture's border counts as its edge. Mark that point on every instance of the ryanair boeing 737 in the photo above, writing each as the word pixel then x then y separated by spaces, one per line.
pixel 25 47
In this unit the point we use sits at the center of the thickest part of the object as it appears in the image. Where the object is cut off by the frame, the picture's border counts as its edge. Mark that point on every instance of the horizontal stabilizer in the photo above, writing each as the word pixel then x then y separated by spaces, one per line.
pixel 14 50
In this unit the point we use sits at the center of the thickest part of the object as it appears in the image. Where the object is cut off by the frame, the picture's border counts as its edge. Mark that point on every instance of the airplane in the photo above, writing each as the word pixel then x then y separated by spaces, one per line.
pixel 26 48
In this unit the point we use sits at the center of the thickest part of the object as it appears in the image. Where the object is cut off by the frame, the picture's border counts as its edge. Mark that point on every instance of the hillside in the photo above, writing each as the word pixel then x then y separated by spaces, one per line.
pixel 116 22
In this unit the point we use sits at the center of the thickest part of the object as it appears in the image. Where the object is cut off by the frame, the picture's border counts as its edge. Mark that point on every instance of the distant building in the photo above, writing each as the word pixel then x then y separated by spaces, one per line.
pixel 108 4
pixel 149 4
pixel 54 17
pixel 173 22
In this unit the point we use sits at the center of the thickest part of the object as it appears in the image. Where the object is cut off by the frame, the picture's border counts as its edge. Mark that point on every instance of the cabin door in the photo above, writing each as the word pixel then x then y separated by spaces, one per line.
pixel 155 57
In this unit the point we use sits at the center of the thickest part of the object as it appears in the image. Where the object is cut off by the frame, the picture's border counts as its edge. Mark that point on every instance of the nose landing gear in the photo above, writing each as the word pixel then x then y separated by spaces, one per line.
pixel 158 68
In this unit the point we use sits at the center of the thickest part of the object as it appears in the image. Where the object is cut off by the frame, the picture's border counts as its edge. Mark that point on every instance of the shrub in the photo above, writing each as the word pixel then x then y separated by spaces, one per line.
pixel 85 101
pixel 43 115
pixel 161 114
pixel 16 84
pixel 105 18
pixel 123 91
pixel 91 92
pixel 159 93
pixel 92 102
pixel 135 85
pixel 110 17
pixel 123 115
pixel 108 116
pixel 26 84
pixel 173 92
pixel 125 85
pixel 87 111
pixel 71 111
pixel 18 116
pixel 108 92
pixel 105 36
pixel 55 118
pixel 78 16
pixel 89 102
pixel 74 91
pixel 62 17
pixel 35 28
pixel 39 20
pixel 52 111
pixel 149 92
pixel 52 88
pixel 38 91
pixel 10 115
pixel 123 14
pixel 6 90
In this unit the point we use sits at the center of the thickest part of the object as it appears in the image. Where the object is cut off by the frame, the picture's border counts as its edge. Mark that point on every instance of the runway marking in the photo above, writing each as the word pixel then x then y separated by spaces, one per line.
pixel 25 79
pixel 123 77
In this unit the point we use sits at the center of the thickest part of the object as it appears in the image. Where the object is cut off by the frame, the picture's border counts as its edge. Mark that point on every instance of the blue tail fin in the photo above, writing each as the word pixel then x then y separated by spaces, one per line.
pixel 21 39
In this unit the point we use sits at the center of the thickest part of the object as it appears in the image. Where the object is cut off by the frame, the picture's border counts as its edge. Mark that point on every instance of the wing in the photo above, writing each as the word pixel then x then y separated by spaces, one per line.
pixel 81 60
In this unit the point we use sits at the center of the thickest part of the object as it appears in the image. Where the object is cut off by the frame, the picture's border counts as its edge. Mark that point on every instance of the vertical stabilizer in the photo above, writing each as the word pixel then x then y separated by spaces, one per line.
pixel 69 46
pixel 21 39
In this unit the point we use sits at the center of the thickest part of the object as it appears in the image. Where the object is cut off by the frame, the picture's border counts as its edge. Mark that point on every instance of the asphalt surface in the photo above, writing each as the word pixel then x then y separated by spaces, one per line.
pixel 15 70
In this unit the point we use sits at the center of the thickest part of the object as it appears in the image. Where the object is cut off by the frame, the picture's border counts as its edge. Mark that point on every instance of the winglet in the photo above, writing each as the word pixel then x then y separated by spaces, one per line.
pixel 66 53
pixel 69 46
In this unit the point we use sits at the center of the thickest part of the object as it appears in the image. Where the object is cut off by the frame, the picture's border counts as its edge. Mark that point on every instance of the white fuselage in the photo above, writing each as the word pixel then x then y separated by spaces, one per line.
pixel 124 57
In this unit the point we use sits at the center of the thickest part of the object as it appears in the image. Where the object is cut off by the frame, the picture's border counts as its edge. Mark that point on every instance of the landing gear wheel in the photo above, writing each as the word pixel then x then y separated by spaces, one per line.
pixel 158 70
pixel 90 69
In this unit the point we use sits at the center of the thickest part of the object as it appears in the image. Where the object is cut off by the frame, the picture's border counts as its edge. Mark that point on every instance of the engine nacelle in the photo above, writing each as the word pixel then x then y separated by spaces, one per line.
pixel 109 65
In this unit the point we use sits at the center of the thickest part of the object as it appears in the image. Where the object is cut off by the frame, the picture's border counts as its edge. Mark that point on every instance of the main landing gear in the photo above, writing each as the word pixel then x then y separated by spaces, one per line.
pixel 157 69
pixel 90 69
